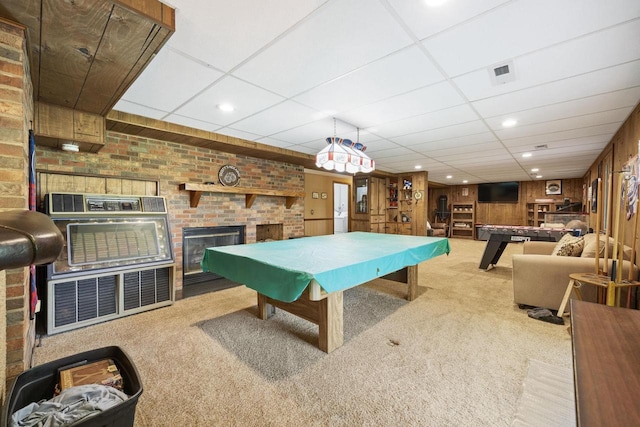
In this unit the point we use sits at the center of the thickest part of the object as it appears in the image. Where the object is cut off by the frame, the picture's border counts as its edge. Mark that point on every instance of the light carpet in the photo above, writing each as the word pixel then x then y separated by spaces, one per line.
pixel 457 355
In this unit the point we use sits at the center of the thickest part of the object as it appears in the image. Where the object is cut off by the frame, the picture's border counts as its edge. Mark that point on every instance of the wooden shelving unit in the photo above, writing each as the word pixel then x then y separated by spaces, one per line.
pixel 462 220
pixel 536 211
pixel 250 193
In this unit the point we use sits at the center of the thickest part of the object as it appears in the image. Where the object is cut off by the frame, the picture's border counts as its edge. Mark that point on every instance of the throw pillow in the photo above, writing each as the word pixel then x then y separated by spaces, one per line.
pixel 589 250
pixel 569 245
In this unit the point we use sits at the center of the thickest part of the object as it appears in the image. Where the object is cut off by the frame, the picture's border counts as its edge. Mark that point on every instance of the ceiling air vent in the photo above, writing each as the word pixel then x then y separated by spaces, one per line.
pixel 502 73
pixel 541 147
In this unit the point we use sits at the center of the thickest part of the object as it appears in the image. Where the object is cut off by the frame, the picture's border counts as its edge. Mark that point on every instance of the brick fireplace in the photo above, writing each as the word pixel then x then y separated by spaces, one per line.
pixel 194 242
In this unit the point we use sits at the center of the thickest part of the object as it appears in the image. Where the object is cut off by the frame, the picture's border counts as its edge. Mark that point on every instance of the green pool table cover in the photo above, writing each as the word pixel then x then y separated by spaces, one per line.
pixel 282 269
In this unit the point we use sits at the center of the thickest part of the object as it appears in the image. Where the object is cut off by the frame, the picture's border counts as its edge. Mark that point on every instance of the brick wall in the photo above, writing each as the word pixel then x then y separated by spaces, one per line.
pixel 173 164
pixel 16 115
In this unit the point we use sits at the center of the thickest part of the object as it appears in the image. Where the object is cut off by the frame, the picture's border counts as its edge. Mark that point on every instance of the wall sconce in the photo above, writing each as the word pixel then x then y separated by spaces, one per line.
pixel 68 146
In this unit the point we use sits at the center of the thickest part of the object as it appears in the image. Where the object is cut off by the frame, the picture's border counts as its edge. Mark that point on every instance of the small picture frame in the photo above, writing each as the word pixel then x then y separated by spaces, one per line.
pixel 553 187
pixel 315 195
pixel 324 195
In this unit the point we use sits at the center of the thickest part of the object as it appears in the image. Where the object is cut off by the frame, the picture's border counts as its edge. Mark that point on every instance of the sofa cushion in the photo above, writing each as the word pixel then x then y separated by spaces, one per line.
pixel 569 245
pixel 589 250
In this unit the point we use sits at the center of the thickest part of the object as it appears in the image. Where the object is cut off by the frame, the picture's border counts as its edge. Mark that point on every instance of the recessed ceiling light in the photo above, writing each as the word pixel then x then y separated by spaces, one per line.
pixel 538 176
pixel 449 176
pixel 526 155
pixel 464 181
pixel 418 167
pixel 535 170
pixel 434 3
pixel 227 108
pixel 509 123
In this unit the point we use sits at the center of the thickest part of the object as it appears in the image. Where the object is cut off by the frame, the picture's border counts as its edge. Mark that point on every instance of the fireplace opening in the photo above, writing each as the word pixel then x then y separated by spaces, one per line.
pixel 269 232
pixel 194 242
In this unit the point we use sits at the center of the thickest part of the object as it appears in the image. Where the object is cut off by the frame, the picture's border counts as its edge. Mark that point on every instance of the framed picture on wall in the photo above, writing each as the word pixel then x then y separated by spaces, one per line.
pixel 553 186
pixel 314 195
pixel 323 195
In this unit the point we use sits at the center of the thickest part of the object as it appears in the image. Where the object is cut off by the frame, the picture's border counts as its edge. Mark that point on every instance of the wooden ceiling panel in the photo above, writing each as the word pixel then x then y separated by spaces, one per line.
pixel 70 37
pixel 86 53
pixel 128 43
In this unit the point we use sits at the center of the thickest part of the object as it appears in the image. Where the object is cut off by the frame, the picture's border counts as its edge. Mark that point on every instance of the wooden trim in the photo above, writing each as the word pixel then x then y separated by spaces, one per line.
pixel 250 193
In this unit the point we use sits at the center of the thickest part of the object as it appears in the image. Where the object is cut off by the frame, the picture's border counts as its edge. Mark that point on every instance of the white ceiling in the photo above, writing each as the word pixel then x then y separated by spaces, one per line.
pixel 416 80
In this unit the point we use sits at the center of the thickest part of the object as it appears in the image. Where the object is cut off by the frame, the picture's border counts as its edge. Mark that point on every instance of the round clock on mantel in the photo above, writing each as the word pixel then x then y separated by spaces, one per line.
pixel 229 175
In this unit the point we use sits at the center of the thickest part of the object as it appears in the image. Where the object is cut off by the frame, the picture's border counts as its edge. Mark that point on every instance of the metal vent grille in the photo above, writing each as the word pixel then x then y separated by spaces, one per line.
pixel 64 303
pixel 85 299
pixel 501 70
pixel 502 73
pixel 66 203
pixel 153 204
pixel 146 287
pixel 131 290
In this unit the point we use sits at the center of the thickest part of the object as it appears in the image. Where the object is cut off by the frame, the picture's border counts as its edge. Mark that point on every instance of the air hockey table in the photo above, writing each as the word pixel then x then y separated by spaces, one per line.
pixel 306 277
pixel 499 236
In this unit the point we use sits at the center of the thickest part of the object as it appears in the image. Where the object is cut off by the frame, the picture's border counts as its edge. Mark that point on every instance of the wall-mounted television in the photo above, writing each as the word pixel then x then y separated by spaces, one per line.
pixel 498 192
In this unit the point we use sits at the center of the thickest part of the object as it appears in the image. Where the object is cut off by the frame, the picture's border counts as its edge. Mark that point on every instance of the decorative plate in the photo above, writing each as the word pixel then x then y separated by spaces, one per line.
pixel 229 175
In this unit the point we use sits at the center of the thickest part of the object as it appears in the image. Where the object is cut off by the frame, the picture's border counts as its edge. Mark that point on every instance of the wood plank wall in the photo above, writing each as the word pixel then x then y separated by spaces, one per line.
pixel 504 213
pixel 48 182
pixel 624 145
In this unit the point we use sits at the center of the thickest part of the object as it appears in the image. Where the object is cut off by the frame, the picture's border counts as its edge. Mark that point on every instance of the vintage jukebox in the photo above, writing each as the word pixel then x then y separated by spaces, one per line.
pixel 117 260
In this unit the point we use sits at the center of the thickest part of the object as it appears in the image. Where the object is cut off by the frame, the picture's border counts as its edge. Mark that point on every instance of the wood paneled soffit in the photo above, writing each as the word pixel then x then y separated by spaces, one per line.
pixel 132 124
pixel 86 53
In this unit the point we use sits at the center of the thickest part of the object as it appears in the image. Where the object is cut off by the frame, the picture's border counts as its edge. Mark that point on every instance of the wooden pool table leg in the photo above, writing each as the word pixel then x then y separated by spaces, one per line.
pixel 330 322
pixel 265 310
pixel 412 282
pixel 327 313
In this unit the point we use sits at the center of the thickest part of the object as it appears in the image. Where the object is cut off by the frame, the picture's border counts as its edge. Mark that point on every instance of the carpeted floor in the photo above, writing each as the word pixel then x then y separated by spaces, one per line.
pixel 457 355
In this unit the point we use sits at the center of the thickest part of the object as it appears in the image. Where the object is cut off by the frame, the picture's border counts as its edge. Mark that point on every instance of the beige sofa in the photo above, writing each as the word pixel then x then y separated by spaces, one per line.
pixel 540 279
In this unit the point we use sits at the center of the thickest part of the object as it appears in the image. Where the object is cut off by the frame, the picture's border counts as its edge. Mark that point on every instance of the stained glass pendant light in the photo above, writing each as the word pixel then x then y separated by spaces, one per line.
pixel 343 155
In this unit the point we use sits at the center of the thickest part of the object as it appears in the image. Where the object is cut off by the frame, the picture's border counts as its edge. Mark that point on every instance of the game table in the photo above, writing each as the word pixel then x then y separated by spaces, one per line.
pixel 307 276
pixel 501 235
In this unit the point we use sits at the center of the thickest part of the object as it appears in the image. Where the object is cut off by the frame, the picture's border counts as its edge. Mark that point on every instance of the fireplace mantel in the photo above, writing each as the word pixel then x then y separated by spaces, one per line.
pixel 196 191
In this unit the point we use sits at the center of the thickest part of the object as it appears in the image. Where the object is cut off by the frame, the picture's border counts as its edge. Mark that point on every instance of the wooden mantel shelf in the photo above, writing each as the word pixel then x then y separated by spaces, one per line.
pixel 250 193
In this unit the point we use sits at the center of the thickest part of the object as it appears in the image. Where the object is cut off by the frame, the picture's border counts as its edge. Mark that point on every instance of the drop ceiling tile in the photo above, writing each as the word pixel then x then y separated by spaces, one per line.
pixel 460 144
pixel 315 131
pixel 552 143
pixel 521 27
pixel 603 118
pixel 337 39
pixel 420 101
pixel 170 67
pixel 444 120
pixel 141 110
pixel 193 123
pixel 246 99
pixel 425 21
pixel 389 76
pixel 583 106
pixel 592 52
pixel 224 33
pixel 598 82
pixel 379 145
pixel 498 157
pixel 606 131
pixel 463 150
pixel 284 116
pixel 443 134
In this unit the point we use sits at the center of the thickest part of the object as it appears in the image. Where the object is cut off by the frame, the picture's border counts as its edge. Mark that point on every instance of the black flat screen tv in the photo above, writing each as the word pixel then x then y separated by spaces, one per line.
pixel 498 192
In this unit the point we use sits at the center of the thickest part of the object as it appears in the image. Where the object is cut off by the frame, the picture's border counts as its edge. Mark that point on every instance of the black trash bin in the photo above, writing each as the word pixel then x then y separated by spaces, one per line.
pixel 38 383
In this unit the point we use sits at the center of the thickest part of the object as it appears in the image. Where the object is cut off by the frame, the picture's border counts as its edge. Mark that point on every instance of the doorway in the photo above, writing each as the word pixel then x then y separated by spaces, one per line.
pixel 340 208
